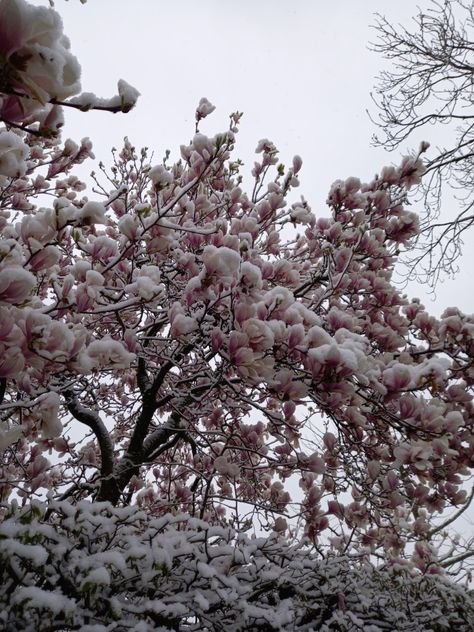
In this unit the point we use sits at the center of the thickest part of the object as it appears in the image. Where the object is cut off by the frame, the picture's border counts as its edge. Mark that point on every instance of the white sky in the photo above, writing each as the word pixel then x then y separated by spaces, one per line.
pixel 299 70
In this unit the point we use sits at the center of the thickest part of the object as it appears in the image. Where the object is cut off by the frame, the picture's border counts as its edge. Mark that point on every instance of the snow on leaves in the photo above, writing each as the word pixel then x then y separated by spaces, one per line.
pixel 120 567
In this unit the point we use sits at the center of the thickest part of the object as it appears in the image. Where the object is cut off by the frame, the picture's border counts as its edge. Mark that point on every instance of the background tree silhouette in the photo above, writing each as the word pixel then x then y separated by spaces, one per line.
pixel 427 84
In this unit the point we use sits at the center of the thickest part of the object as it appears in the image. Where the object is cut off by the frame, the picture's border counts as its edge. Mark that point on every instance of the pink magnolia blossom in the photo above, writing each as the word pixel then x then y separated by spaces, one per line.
pixel 8 435
pixel 204 108
pixel 12 361
pixel 48 410
pixel 34 46
pixel 91 213
pixel 105 353
pixel 221 263
pixel 224 467
pixel 13 155
pixel 15 284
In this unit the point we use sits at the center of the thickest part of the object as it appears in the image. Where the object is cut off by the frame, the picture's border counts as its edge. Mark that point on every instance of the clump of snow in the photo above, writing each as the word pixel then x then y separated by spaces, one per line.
pixel 13 155
pixel 125 99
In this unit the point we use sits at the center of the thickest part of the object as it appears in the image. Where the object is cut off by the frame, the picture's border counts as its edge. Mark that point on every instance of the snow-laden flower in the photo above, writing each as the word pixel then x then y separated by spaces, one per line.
pixel 226 468
pixel 266 146
pixel 36 52
pixel 38 229
pixel 91 213
pixel 13 155
pixel 128 226
pixel 15 284
pixel 204 108
pixel 160 176
pixel 300 214
pixel 12 361
pixel 105 353
pixel 203 146
pixel 279 299
pixel 49 339
pixel 182 325
pixel 128 95
pixel 47 409
pixel 223 263
pixel 397 377
pixel 147 283
pixel 260 336
pixel 45 258
pixel 251 275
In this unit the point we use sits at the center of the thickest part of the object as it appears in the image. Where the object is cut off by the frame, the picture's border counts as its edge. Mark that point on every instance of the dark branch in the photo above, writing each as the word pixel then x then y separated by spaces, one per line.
pixel 161 435
pixel 92 419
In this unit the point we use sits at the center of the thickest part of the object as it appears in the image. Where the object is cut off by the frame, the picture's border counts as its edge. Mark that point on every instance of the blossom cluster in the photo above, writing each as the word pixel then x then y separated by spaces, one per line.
pixel 39 73
pixel 180 289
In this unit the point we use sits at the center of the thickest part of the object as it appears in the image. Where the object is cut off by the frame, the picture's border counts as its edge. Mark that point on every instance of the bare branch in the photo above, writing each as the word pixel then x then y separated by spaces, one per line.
pixel 429 83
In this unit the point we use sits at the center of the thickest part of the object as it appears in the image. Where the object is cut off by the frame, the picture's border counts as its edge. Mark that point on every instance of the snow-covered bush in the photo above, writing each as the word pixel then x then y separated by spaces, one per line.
pixel 91 566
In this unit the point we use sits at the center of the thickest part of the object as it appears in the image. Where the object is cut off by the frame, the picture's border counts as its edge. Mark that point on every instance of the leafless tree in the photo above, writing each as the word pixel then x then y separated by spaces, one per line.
pixel 430 82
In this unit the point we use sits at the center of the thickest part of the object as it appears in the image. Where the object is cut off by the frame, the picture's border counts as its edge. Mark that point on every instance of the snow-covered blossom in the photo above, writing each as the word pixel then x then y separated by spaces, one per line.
pixel 225 467
pixel 33 36
pixel 147 283
pixel 128 95
pixel 48 411
pixel 222 263
pixel 160 176
pixel 204 108
pixel 259 335
pixel 183 325
pixel 15 284
pixel 105 353
pixel 251 275
pixel 13 155
pixel 91 213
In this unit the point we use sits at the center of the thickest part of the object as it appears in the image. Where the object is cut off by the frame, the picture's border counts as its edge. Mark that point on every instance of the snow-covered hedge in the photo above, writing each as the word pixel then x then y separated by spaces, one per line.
pixel 95 568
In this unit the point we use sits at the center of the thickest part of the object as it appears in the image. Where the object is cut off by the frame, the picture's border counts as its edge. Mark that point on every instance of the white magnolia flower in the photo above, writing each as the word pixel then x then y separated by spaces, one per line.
pixel 13 155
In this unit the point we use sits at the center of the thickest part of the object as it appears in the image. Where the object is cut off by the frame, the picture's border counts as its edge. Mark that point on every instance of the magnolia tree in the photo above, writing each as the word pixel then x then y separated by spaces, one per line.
pixel 182 362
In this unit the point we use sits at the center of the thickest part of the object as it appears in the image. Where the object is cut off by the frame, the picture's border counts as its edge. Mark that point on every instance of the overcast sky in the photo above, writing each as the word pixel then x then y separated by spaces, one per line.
pixel 300 70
